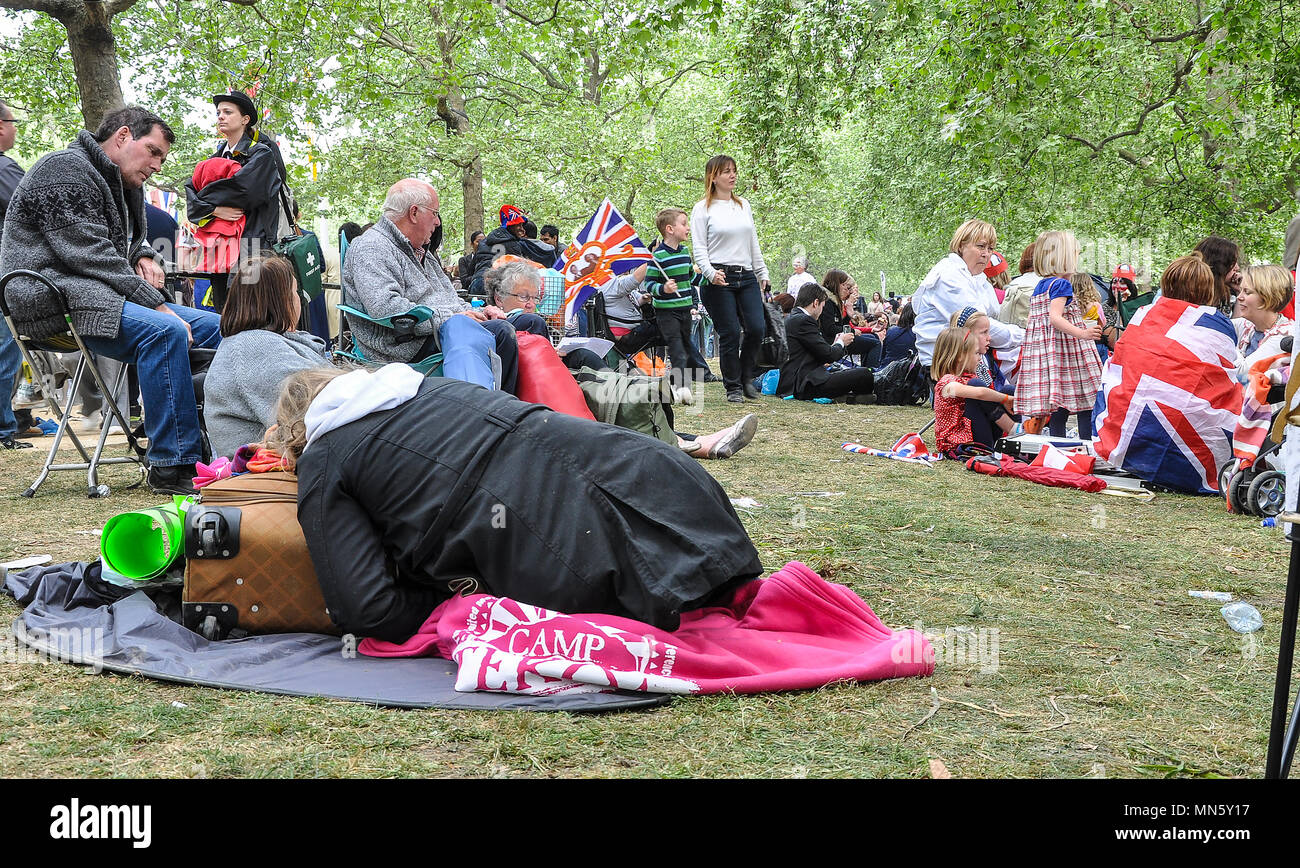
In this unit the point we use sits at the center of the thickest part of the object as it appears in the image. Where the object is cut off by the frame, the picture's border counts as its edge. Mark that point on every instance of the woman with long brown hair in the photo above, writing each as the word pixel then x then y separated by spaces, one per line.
pixel 261 346
pixel 838 316
pixel 727 255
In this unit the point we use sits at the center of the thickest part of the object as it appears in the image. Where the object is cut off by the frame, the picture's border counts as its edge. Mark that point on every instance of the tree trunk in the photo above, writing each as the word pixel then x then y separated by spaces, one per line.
pixel 451 110
pixel 471 186
pixel 94 57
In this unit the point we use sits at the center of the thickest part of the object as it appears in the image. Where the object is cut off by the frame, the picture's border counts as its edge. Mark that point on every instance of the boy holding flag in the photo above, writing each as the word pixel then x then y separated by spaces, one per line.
pixel 672 291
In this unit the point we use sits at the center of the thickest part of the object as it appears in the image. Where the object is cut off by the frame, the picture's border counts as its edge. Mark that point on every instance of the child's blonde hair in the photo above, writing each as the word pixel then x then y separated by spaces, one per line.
pixel 951 350
pixel 1056 254
pixel 1085 291
pixel 667 217
pixel 967 318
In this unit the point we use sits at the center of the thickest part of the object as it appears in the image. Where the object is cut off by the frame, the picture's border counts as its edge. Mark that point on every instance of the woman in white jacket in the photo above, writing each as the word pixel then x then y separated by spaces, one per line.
pixel 725 250
pixel 958 281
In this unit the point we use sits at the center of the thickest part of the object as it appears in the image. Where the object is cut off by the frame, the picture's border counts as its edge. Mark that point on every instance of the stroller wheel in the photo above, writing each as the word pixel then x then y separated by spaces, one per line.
pixel 1225 475
pixel 1267 494
pixel 1238 489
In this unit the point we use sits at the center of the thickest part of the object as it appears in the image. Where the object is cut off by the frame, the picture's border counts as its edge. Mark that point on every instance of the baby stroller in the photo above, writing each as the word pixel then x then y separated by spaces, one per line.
pixel 1259 489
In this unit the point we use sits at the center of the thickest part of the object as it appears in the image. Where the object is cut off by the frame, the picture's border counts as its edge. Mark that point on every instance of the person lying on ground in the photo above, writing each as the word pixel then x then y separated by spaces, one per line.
pixel 408 486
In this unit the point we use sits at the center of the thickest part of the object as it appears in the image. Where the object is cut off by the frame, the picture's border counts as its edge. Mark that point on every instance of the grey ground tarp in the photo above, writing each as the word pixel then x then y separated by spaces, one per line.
pixel 66 604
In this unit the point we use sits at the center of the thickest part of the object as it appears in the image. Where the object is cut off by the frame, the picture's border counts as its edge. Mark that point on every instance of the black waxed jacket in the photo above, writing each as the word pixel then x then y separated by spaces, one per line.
pixel 539 506
pixel 254 189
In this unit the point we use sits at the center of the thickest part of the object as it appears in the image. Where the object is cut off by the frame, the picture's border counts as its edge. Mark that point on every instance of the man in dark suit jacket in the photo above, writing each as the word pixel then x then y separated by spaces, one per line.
pixel 805 373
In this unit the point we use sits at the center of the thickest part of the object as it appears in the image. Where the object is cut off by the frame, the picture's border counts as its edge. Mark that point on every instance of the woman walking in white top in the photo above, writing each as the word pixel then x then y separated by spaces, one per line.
pixel 727 255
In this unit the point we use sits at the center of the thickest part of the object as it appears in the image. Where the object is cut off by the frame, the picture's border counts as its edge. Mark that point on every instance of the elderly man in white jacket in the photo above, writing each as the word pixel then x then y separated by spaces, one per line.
pixel 958 281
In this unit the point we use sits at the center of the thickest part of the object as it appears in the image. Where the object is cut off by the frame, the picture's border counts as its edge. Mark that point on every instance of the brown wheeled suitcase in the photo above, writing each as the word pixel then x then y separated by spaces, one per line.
pixel 247 565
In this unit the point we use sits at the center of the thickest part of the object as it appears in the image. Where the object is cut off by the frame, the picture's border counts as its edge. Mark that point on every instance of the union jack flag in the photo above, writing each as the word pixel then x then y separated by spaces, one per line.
pixel 1170 398
pixel 606 246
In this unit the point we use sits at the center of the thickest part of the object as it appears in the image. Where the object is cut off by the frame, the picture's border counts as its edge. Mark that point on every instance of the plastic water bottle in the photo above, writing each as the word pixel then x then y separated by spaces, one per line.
pixel 1217 596
pixel 1242 617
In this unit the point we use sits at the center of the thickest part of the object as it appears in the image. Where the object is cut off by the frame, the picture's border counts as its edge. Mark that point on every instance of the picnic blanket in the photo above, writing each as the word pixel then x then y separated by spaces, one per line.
pixel 789 631
pixel 73 616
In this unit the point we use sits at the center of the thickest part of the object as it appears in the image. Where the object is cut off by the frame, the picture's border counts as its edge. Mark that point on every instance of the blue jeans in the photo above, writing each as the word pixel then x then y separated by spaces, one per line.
pixel 11 360
pixel 156 343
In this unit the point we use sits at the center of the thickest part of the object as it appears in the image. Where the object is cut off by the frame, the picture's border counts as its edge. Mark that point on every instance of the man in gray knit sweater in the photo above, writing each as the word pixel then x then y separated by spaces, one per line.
pixel 391 269
pixel 78 218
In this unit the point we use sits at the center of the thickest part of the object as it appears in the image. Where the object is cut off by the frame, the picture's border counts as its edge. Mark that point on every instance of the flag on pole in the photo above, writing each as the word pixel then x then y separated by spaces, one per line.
pixel 607 246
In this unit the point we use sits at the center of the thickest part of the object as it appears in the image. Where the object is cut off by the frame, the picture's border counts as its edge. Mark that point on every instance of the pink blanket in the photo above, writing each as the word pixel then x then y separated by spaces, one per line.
pixel 789 631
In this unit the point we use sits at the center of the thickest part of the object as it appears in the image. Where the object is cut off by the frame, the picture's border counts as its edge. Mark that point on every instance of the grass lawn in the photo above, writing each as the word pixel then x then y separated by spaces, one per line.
pixel 1101 665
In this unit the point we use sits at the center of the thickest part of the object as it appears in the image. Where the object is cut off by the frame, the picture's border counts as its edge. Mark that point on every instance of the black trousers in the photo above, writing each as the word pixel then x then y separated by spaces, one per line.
pixel 854 381
pixel 675 326
pixel 984 416
pixel 737 311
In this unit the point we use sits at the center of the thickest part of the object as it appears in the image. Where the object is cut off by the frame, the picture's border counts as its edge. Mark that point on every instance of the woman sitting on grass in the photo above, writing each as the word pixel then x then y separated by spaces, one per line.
pixel 261 346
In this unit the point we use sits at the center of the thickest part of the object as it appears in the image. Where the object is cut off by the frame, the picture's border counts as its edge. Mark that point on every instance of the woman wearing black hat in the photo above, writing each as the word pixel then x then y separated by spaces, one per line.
pixel 252 193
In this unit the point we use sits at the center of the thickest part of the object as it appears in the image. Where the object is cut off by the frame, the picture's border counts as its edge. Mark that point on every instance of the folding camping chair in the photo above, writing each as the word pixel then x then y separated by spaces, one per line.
pixel 403 324
pixel 650 342
pixel 68 342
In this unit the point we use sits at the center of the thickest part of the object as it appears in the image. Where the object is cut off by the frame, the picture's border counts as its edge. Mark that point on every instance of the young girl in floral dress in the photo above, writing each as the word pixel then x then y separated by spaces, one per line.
pixel 1060 371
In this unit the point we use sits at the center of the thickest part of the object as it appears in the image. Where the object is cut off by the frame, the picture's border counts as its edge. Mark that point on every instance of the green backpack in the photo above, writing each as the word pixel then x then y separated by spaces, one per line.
pixel 628 402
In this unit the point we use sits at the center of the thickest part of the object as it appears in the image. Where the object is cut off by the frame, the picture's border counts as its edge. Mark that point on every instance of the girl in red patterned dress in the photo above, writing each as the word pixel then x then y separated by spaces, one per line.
pixel 1060 371
pixel 968 415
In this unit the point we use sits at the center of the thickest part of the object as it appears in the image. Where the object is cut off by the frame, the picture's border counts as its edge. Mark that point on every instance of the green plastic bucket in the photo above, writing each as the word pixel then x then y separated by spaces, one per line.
pixel 141 545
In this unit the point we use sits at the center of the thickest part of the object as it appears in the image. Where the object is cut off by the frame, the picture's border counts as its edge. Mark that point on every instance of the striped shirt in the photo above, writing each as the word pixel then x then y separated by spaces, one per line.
pixel 677 265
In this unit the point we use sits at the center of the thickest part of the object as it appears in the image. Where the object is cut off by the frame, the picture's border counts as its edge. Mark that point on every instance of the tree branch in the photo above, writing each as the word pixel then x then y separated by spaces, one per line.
pixel 1180 72
pixel 1200 31
pixel 58 9
pixel 551 79
pixel 515 12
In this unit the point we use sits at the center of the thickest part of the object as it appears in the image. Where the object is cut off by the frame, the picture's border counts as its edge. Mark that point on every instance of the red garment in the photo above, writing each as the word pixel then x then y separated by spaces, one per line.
pixel 1042 475
pixel 218 239
pixel 790 631
pixel 951 427
pixel 543 378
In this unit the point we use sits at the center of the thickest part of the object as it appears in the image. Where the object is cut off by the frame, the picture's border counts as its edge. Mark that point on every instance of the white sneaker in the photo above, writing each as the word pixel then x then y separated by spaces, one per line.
pixel 737 438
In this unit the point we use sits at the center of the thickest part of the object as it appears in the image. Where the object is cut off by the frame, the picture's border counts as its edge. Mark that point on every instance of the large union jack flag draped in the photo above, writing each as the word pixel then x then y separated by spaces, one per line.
pixel 606 246
pixel 1169 396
